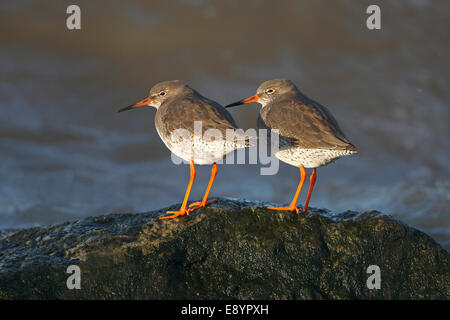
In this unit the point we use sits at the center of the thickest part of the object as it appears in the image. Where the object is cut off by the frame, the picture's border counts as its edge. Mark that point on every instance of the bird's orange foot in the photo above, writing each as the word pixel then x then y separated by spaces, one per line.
pixel 200 204
pixel 181 212
pixel 290 208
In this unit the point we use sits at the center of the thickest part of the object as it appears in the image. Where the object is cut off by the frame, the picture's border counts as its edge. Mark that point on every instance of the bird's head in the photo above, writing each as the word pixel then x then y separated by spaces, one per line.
pixel 159 93
pixel 269 91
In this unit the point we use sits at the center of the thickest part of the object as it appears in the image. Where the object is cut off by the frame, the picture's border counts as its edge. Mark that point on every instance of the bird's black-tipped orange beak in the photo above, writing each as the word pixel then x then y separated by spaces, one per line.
pixel 251 99
pixel 143 103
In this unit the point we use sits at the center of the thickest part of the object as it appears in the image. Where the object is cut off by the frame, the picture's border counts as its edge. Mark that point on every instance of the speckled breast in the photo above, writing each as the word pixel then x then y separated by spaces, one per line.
pixel 310 158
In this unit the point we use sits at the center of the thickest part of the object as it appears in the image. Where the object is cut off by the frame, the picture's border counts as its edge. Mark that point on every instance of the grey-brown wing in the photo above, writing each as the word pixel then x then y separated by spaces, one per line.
pixel 182 113
pixel 309 123
pixel 222 110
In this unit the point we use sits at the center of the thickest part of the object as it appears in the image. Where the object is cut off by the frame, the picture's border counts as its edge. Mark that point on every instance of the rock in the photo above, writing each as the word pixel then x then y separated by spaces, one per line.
pixel 235 249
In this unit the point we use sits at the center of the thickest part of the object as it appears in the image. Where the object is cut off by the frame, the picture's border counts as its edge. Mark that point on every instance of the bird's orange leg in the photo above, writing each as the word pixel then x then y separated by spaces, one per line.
pixel 183 211
pixel 204 202
pixel 312 180
pixel 293 205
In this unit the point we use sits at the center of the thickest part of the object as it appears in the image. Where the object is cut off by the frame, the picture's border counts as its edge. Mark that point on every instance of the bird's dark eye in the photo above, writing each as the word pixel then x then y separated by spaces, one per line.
pixel 270 91
pixel 162 93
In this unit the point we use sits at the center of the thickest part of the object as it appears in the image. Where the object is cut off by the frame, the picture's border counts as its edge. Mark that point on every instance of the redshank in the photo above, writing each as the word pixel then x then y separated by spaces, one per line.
pixel 309 135
pixel 178 107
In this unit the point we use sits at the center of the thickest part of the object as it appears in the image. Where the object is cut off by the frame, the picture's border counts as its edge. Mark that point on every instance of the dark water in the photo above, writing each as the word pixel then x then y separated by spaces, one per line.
pixel 67 154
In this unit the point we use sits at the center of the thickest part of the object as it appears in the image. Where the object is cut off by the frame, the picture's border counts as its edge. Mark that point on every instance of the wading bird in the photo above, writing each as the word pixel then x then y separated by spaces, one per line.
pixel 309 135
pixel 178 107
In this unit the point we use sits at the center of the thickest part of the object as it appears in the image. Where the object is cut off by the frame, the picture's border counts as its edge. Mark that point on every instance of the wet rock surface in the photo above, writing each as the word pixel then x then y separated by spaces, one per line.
pixel 236 249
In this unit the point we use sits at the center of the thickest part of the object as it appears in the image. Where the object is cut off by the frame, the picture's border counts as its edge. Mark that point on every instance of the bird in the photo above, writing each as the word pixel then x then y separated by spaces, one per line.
pixel 179 108
pixel 309 135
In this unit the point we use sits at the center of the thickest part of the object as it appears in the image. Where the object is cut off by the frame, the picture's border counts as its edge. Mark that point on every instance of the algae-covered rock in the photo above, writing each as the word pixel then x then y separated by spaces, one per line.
pixel 233 250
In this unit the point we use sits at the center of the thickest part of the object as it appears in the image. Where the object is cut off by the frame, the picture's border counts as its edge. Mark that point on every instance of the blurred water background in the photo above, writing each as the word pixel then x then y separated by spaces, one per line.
pixel 66 154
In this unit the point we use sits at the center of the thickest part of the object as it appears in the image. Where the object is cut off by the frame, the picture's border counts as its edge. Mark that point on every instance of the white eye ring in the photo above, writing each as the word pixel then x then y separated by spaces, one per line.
pixel 270 91
pixel 162 93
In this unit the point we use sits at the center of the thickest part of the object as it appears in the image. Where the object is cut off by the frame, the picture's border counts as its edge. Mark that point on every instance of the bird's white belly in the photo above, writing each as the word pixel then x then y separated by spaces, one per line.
pixel 310 158
pixel 201 151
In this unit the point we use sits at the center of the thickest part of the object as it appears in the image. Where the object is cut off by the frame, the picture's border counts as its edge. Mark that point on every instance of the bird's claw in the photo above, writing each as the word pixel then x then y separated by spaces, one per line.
pixel 290 208
pixel 200 204
pixel 181 212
